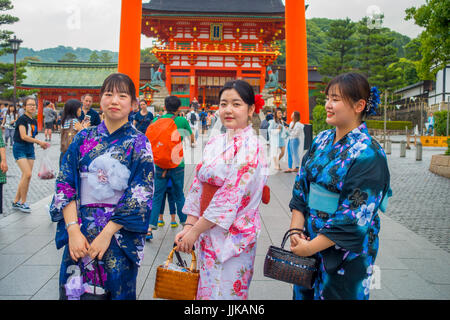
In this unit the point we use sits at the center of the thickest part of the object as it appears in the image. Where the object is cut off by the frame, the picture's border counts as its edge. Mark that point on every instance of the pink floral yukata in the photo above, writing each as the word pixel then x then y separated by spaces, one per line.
pixel 226 252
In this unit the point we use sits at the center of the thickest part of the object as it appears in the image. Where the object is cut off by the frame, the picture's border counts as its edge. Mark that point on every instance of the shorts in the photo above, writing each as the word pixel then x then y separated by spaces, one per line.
pixel 23 151
pixel 48 125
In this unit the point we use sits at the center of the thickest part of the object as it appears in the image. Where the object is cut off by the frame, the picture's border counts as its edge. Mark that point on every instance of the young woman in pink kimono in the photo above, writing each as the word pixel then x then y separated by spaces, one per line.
pixel 222 203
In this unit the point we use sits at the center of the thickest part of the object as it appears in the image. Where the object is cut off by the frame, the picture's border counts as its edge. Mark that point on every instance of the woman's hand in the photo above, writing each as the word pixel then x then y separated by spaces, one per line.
pixel 4 166
pixel 43 145
pixel 100 245
pixel 78 244
pixel 186 242
pixel 295 239
pixel 181 234
pixel 302 248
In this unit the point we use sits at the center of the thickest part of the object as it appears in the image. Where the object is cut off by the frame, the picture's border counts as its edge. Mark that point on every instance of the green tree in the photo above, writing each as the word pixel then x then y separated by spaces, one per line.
pixel 147 56
pixel 341 46
pixel 94 57
pixel 68 57
pixel 105 57
pixel 434 16
pixel 5 35
pixel 383 55
pixel 377 54
pixel 316 42
pixel 319 122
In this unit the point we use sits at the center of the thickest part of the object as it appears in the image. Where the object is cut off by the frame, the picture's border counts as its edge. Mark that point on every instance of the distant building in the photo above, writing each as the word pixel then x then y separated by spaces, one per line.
pixel 435 94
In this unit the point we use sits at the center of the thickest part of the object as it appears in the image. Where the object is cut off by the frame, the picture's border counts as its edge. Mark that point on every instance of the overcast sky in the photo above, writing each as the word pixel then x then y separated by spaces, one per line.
pixel 95 24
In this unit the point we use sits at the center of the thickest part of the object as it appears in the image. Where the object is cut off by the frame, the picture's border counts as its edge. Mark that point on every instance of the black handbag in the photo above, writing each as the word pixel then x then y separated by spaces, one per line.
pixel 286 266
pixel 99 292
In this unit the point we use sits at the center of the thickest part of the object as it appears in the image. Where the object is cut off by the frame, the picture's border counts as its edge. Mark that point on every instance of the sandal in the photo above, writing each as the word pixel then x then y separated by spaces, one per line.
pixel 173 224
pixel 161 223
pixel 149 235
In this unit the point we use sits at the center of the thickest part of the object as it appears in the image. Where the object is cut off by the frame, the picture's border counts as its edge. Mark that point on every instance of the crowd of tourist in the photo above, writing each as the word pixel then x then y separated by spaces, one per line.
pixel 118 167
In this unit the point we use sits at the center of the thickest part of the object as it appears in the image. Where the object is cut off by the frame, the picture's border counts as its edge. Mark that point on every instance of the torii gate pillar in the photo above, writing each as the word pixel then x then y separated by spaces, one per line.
pixel 130 40
pixel 296 60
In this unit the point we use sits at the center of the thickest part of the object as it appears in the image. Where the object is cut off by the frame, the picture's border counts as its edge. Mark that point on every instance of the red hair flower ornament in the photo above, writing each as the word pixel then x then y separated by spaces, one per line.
pixel 259 103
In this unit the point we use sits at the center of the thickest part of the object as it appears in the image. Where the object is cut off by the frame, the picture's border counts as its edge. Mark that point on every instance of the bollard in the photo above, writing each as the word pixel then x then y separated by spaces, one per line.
pixel 419 151
pixel 402 149
pixel 388 147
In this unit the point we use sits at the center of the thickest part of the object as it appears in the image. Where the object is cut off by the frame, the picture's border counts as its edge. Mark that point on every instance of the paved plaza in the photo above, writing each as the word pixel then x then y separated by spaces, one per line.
pixel 413 260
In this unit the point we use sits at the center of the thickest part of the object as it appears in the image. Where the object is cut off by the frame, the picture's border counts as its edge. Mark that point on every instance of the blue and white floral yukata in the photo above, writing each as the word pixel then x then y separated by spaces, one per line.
pixel 339 189
pixel 111 178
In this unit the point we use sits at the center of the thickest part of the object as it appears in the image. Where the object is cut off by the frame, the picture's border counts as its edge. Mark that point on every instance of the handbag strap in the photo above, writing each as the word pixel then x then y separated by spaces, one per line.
pixel 97 272
pixel 290 233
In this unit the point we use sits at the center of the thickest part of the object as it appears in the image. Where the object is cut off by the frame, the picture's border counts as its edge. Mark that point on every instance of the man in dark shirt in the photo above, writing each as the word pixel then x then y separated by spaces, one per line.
pixel 86 110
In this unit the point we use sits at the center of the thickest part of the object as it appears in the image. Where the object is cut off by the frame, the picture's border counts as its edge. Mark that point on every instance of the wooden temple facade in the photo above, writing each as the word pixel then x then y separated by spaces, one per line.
pixel 204 44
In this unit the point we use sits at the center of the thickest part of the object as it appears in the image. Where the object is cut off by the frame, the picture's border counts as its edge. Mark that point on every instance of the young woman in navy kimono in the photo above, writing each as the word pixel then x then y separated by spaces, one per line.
pixel 103 199
pixel 343 181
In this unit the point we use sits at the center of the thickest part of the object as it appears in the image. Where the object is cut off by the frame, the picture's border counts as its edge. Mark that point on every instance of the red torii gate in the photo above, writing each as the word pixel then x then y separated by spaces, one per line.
pixel 296 51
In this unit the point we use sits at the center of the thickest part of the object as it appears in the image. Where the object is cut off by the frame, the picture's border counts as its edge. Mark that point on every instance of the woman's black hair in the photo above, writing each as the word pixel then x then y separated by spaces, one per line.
pixel 243 88
pixel 70 110
pixel 25 100
pixel 119 82
pixel 352 88
pixel 14 112
pixel 275 118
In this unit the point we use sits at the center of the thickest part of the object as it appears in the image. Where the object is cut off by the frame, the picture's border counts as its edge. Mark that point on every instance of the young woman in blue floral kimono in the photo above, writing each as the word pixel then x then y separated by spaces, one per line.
pixel 103 199
pixel 343 181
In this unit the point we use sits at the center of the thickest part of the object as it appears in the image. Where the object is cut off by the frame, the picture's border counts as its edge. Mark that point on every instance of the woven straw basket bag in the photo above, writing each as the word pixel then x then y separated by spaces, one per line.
pixel 176 285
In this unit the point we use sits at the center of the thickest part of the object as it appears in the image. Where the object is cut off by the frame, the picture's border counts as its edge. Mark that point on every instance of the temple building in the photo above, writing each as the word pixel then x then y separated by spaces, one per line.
pixel 61 81
pixel 203 44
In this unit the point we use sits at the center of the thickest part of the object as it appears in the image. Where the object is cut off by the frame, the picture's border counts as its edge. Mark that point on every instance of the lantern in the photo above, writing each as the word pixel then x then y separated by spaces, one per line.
pixel 148 92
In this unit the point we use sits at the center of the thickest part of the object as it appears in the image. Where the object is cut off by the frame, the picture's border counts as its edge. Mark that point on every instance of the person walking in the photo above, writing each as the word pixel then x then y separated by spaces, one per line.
pixel 222 202
pixel 296 141
pixel 343 181
pixel 176 174
pixel 142 118
pixel 203 118
pixel 277 135
pixel 193 119
pixel 23 152
pixel 3 169
pixel 172 207
pixel 50 116
pixel 102 199
pixel 9 123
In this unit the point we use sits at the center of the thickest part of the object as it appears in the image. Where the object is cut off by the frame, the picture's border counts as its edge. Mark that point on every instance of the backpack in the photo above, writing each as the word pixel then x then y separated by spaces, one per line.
pixel 193 118
pixel 67 137
pixel 166 143
pixel 203 116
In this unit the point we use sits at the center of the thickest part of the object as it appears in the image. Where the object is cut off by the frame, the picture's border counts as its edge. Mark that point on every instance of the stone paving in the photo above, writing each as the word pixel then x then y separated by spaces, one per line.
pixel 411 264
pixel 39 188
pixel 421 200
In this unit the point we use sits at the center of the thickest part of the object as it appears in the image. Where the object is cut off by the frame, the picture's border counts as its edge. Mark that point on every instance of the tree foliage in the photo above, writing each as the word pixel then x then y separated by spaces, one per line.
pixel 434 16
pixel 5 35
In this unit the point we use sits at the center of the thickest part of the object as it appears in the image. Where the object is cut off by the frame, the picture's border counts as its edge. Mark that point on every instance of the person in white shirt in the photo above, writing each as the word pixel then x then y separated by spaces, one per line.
pixel 295 143
pixel 193 119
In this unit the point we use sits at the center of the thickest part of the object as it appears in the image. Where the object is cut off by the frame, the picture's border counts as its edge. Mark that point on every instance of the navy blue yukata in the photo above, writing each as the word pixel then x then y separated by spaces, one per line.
pixel 111 178
pixel 339 189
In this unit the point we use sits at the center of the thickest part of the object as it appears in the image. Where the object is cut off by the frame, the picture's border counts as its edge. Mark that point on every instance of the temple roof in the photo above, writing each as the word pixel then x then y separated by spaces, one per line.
pixel 217 6
pixel 83 75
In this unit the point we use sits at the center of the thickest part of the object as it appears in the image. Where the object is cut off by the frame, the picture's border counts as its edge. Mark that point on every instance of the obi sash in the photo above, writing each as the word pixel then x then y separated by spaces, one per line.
pixel 87 198
pixel 208 191
pixel 321 199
